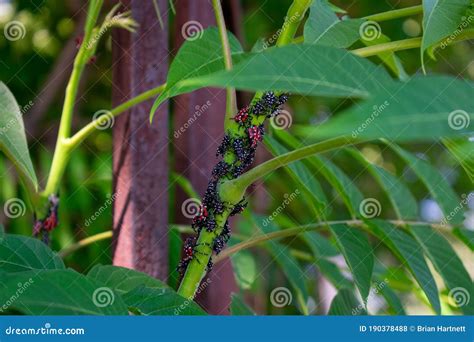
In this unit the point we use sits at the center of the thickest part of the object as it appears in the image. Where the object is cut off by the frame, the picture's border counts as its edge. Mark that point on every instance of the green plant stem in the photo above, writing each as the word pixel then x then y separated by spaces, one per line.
pixel 256 240
pixel 85 242
pixel 233 190
pixel 231 98
pixel 197 266
pixel 60 154
pixel 395 14
pixel 397 45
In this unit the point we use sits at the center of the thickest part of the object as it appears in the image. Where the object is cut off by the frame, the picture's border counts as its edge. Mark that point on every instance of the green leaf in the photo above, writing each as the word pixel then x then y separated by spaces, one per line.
pixel 122 279
pixel 288 264
pixel 464 153
pixel 403 201
pixel 239 308
pixel 344 186
pixel 466 236
pixel 153 301
pixel 446 262
pixel 12 136
pixel 409 252
pixel 439 188
pixel 424 108
pixel 358 254
pixel 59 292
pixel 325 28
pixel 440 19
pixel 245 269
pixel 20 253
pixel 346 304
pixel 302 69
pixel 195 58
pixel 303 178
pixel 392 299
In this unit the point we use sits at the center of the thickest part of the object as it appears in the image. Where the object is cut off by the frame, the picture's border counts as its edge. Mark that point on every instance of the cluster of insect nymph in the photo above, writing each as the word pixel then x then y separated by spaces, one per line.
pixel 236 153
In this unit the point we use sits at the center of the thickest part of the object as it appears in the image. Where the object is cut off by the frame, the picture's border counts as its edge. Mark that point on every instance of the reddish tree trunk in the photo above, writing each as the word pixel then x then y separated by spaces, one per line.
pixel 140 153
pixel 195 149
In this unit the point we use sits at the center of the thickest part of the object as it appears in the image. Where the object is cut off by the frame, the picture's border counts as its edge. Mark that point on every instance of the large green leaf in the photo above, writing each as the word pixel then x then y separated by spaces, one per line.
pixel 393 301
pixel 466 236
pixel 302 69
pixel 344 186
pixel 438 186
pixel 122 279
pixel 358 254
pixel 196 57
pixel 403 201
pixel 462 150
pixel 152 301
pixel 12 136
pixel 446 262
pixel 245 269
pixel 59 292
pixel 424 108
pixel 20 253
pixel 441 18
pixel 288 264
pixel 325 28
pixel 410 253
pixel 346 304
pixel 239 308
pixel 303 178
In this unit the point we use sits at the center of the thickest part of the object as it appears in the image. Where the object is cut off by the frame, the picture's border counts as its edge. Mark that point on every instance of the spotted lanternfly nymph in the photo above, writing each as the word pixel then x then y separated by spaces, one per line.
pixel 238 149
pixel 242 115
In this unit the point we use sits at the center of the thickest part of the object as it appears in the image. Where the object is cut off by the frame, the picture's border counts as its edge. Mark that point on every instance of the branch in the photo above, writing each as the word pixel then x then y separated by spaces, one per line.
pixel 395 14
pixel 231 99
pixel 256 240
